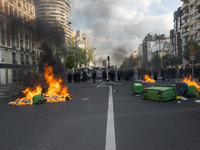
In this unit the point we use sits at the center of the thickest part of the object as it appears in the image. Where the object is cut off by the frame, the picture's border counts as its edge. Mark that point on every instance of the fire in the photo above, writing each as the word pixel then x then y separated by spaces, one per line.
pixel 148 79
pixel 56 92
pixel 190 82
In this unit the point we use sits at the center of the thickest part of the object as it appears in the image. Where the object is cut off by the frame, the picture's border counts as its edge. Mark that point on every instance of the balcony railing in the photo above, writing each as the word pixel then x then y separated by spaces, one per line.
pixel 186 34
pixel 197 17
pixel 184 25
pixel 186 15
pixel 186 4
pixel 197 28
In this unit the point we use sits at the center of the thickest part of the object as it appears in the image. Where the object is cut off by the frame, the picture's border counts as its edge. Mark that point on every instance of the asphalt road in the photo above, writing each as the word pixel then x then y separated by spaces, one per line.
pixel 80 124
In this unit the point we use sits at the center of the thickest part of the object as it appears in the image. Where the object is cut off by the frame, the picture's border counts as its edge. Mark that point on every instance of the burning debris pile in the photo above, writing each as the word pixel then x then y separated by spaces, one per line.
pixel 53 92
pixel 148 79
pixel 190 82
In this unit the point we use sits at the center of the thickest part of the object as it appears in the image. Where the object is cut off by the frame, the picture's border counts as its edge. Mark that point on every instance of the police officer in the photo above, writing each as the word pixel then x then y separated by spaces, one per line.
pixel 69 77
pixel 94 74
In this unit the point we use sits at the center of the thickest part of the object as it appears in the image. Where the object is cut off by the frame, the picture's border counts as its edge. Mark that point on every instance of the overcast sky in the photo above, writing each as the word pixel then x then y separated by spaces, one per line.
pixel 118 26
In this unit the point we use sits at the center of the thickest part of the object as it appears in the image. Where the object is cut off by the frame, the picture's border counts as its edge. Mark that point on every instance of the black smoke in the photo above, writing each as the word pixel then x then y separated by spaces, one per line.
pixel 118 55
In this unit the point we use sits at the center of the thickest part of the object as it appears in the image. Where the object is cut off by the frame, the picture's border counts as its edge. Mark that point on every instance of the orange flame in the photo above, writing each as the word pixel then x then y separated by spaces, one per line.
pixel 190 82
pixel 55 93
pixel 148 79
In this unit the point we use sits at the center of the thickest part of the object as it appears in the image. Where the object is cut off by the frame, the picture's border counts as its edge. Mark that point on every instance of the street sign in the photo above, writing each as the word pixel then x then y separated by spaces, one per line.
pixel 192 53
pixel 192 57
pixel 192 47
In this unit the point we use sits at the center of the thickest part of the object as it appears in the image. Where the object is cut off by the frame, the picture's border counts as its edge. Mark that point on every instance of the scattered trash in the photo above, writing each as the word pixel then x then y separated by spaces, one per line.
pixel 138 95
pixel 197 101
pixel 180 97
pixel 184 99
pixel 85 99
pixel 178 102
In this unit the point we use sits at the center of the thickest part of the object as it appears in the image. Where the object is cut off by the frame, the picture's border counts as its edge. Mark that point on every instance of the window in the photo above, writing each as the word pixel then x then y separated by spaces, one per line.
pixel 27 60
pixel 11 11
pixel 13 37
pixel 24 4
pixel 22 59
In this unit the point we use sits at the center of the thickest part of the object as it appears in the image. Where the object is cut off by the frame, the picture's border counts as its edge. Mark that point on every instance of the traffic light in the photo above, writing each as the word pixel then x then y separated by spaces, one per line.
pixel 108 58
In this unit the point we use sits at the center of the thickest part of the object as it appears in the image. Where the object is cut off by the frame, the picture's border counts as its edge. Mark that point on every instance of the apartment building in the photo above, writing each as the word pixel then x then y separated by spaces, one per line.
pixel 190 20
pixel 152 44
pixel 176 36
pixel 82 40
pixel 18 44
pixel 55 14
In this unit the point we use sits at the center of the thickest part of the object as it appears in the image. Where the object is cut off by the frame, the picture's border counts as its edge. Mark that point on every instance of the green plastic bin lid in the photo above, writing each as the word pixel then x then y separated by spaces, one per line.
pixel 162 88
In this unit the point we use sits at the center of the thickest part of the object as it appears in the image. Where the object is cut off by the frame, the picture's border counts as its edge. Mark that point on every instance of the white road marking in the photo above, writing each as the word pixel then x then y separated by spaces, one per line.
pixel 110 129
pixel 100 84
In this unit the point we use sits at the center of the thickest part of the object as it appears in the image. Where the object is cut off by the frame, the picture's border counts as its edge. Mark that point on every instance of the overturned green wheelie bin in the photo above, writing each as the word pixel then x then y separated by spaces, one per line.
pixel 192 91
pixel 39 99
pixel 160 93
pixel 137 87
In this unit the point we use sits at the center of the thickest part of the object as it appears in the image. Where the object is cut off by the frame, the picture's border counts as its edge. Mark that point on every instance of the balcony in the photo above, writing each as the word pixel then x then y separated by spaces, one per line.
pixel 185 25
pixel 197 17
pixel 186 15
pixel 186 34
pixel 197 28
pixel 197 5
pixel 185 5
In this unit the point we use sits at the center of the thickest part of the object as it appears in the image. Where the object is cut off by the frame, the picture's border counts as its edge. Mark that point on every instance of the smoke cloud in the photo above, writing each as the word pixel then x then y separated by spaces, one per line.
pixel 114 23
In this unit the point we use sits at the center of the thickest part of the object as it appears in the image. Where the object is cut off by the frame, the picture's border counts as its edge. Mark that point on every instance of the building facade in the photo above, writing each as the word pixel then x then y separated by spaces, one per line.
pixel 18 43
pixel 152 44
pixel 190 21
pixel 55 14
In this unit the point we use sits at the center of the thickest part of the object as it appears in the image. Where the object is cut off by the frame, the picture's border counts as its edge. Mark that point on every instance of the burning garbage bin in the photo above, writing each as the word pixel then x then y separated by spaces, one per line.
pixel 183 89
pixel 160 93
pixel 39 99
pixel 137 87
pixel 192 91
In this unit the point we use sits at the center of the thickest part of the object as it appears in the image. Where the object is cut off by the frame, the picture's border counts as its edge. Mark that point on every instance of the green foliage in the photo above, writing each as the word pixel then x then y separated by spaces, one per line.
pixel 69 62
pixel 81 56
pixel 169 60
pixel 156 60
pixel 187 50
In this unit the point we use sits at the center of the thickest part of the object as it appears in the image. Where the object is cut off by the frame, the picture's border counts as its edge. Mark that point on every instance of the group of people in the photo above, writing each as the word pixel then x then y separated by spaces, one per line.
pixel 80 77
pixel 138 74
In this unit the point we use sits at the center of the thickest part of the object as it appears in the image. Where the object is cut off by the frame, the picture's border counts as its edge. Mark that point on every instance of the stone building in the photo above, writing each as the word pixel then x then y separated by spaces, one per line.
pixel 19 53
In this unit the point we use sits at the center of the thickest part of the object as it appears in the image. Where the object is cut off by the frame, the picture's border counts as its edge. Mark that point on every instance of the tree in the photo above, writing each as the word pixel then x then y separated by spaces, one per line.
pixel 69 62
pixel 82 56
pixel 187 50
pixel 156 60
pixel 169 60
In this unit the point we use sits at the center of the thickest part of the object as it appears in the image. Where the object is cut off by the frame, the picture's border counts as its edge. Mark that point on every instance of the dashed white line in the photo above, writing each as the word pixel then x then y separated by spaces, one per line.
pixel 110 129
